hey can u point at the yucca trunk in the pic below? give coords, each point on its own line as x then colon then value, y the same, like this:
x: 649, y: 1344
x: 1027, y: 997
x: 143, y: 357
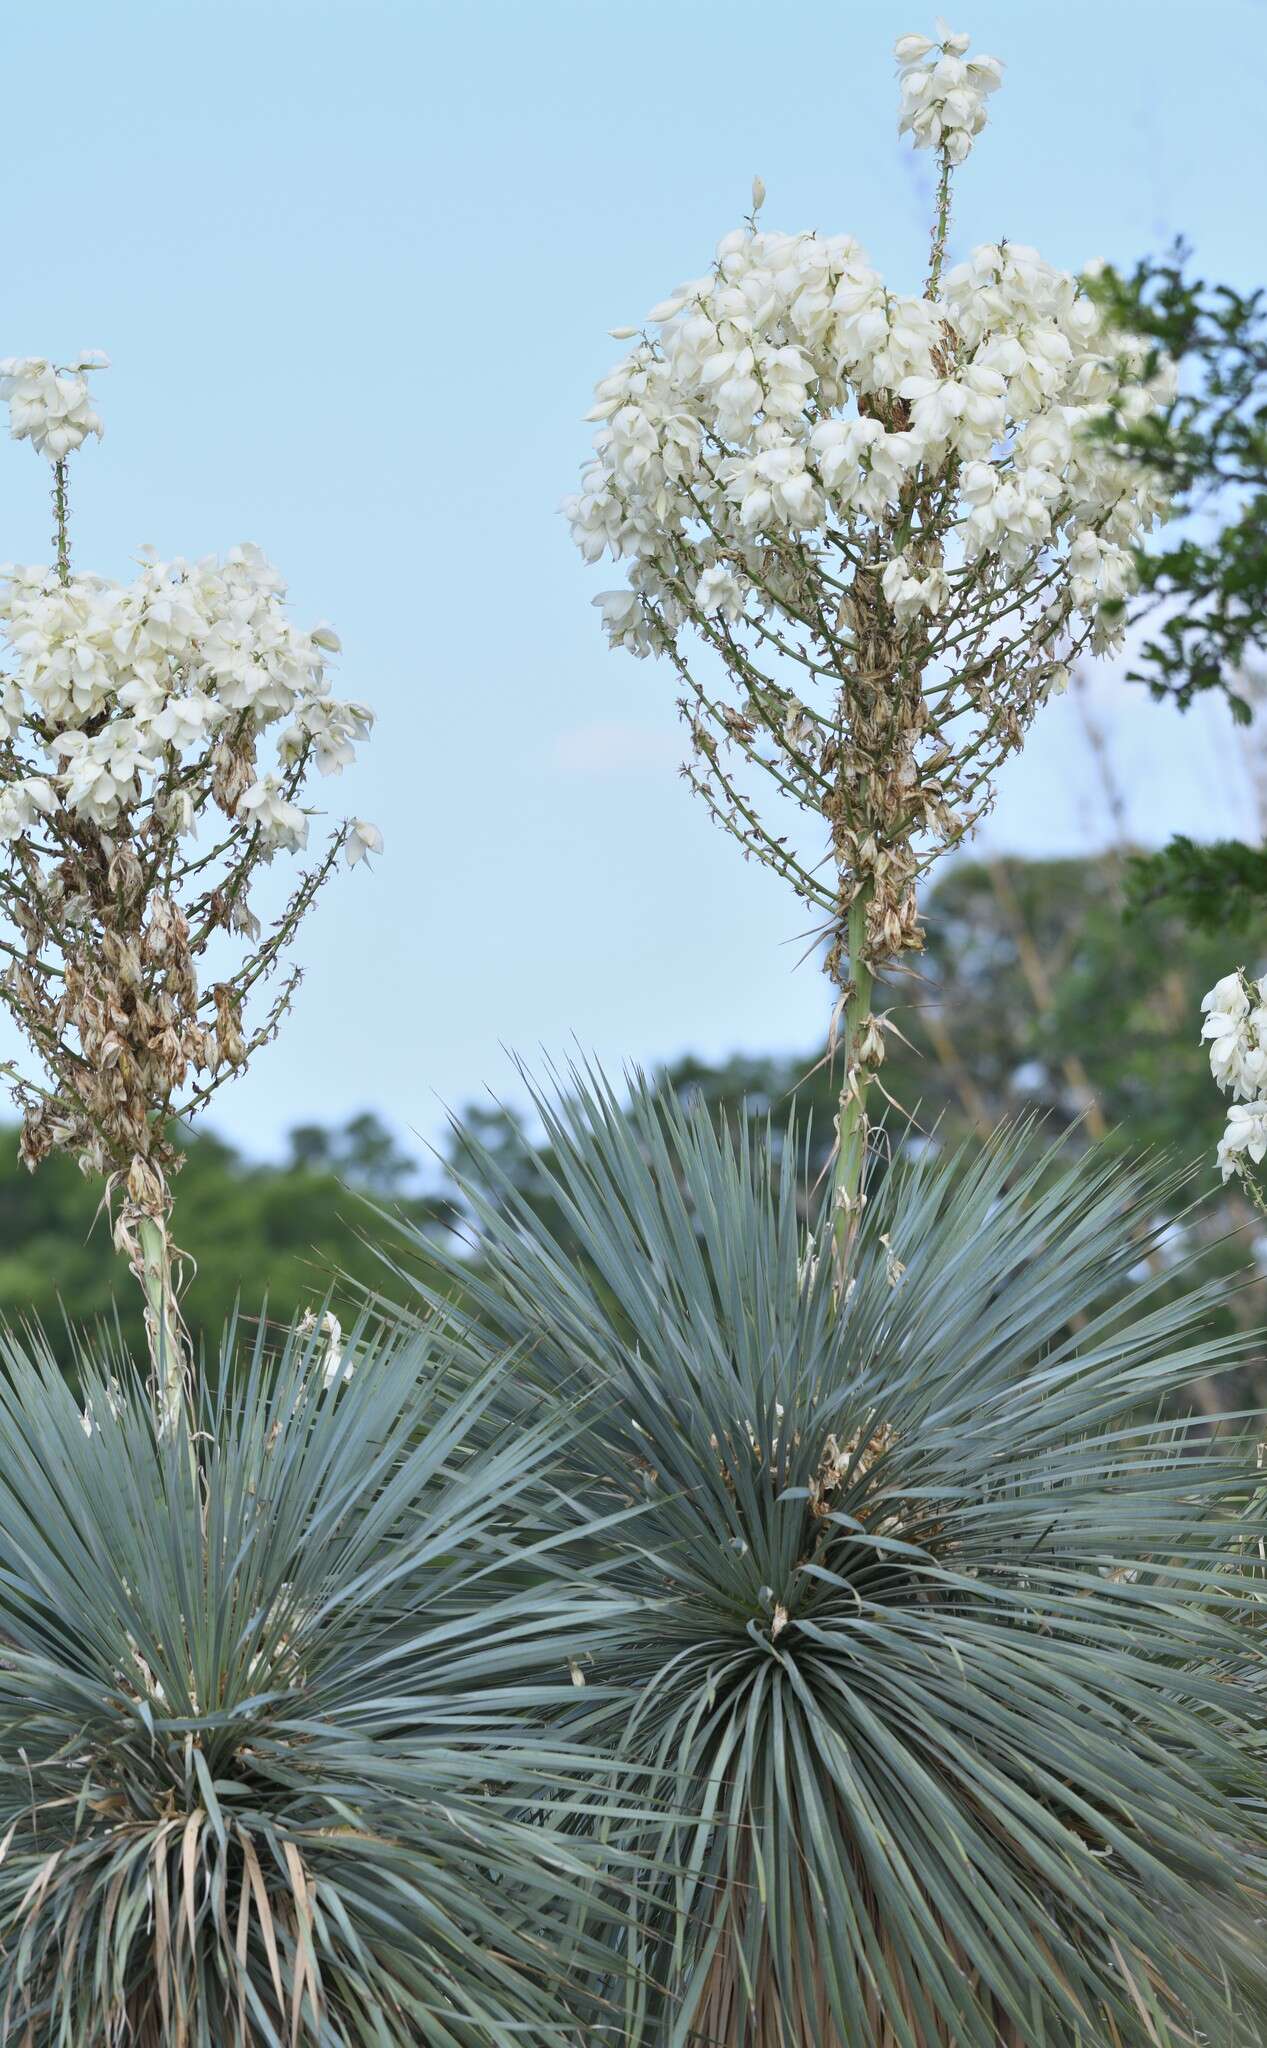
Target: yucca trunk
x: 851, y: 1118
x: 726, y: 2020
x: 789, y: 2008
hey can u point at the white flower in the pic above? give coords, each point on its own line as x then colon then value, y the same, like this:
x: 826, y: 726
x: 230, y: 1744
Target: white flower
x: 1245, y: 1135
x: 943, y: 102
x: 908, y: 593
x: 280, y: 823
x: 1229, y: 996
x: 719, y: 590
x: 180, y: 722
x: 330, y: 729
x: 1235, y: 1030
x: 1226, y: 1048
x: 362, y: 839
x: 102, y: 769
x: 1251, y: 1071
x: 50, y: 407
x: 64, y: 637
x: 1101, y: 573
x: 180, y: 648
x: 623, y: 620
x: 22, y: 803
x: 1228, y: 1028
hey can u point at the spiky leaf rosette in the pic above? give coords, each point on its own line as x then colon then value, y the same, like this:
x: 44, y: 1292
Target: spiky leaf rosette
x: 266, y: 1734
x: 938, y: 1621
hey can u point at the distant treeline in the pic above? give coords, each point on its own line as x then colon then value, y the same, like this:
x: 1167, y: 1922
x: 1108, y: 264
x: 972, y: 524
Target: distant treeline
x: 1039, y: 994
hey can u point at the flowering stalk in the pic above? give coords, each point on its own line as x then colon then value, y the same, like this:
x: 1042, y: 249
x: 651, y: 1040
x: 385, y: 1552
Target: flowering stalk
x: 941, y: 226
x: 136, y: 817
x: 862, y: 1043
x: 870, y: 531
x: 61, y: 515
x: 170, y: 1353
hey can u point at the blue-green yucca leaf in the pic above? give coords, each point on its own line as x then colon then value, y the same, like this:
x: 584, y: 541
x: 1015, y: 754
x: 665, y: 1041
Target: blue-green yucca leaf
x: 276, y: 1761
x: 943, y: 1634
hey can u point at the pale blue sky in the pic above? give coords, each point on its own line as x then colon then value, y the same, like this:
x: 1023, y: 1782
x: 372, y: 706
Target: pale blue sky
x: 355, y: 263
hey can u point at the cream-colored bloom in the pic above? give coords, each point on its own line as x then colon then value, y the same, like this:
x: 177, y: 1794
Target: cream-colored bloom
x: 51, y: 407
x: 362, y: 839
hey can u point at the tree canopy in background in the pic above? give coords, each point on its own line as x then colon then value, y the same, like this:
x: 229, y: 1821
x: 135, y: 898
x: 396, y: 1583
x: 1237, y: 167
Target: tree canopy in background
x: 1202, y: 603
x: 272, y: 1237
x: 1035, y: 997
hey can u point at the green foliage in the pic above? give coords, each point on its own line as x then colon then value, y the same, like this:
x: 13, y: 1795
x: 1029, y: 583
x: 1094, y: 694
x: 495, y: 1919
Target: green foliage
x: 266, y: 1730
x: 267, y: 1236
x: 1203, y: 592
x: 1218, y: 886
x: 1209, y: 586
x: 935, y: 1625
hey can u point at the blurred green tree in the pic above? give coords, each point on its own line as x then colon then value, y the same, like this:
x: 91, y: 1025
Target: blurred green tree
x: 270, y: 1238
x: 1201, y: 610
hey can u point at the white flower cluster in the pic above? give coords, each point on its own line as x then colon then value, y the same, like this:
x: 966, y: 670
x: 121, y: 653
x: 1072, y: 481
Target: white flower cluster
x: 791, y: 394
x: 944, y: 96
x: 121, y: 688
x: 1236, y: 1030
x: 50, y: 405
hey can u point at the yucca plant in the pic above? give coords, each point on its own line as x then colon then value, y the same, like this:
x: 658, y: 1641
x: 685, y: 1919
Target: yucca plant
x: 937, y: 1623
x: 273, y: 1766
